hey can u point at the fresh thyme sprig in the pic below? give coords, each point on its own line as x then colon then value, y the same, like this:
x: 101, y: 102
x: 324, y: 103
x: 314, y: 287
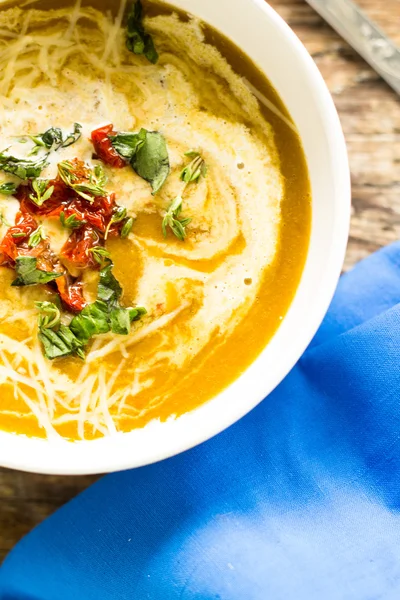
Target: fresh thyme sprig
x: 8, y: 188
x: 100, y: 255
x: 71, y: 222
x: 88, y: 190
x: 36, y: 237
x: 119, y: 214
x: 171, y: 220
x: 42, y: 192
x: 191, y: 173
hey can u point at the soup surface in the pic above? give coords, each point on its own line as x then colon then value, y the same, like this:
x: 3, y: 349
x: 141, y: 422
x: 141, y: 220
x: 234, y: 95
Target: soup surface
x: 155, y: 214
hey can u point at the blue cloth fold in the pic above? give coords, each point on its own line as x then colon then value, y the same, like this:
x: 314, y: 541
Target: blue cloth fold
x: 299, y: 500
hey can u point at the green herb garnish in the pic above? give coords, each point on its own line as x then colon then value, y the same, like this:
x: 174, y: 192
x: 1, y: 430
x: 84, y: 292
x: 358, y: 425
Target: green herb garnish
x: 151, y: 160
x: 194, y: 169
x: 190, y: 173
x: 137, y: 40
x: 21, y: 167
x: 71, y: 222
x: 53, y: 138
x: 3, y: 220
x: 42, y: 192
x: 60, y: 343
x: 104, y: 315
x: 50, y: 315
x: 100, y: 254
x: 128, y: 143
x: 88, y: 190
x: 28, y: 274
x: 98, y: 176
x: 127, y: 228
x: 147, y: 153
x: 72, y: 137
x: 8, y: 189
x: 92, y: 320
x: 118, y: 215
x: 177, y: 226
x: 57, y: 339
x: 36, y: 237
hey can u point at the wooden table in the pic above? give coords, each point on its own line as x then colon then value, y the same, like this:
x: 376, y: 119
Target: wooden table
x: 370, y: 115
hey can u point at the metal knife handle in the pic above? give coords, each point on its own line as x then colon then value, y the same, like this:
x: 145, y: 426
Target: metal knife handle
x: 364, y: 36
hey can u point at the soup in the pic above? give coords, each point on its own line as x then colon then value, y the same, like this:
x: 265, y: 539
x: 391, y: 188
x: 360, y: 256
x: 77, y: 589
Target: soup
x: 155, y: 215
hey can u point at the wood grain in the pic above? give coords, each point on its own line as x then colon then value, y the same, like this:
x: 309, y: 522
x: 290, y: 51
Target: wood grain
x: 370, y: 115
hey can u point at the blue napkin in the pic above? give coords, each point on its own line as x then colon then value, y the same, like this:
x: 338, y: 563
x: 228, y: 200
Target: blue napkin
x: 299, y: 500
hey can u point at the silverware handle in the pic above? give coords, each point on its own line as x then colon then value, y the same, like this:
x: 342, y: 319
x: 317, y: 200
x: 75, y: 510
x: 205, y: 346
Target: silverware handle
x: 364, y: 36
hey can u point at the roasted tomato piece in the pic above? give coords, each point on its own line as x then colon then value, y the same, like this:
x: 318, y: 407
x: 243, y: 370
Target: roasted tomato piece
x: 61, y: 195
x: 46, y: 259
x: 76, y: 249
x: 97, y: 214
x: 71, y: 293
x: 15, y: 240
x: 104, y: 148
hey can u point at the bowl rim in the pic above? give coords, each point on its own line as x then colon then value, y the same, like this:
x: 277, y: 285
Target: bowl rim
x: 44, y: 461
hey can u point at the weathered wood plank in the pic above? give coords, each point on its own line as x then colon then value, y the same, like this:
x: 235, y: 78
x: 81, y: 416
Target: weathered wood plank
x: 370, y: 115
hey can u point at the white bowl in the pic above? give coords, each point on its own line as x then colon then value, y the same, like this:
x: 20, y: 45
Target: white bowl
x: 256, y: 28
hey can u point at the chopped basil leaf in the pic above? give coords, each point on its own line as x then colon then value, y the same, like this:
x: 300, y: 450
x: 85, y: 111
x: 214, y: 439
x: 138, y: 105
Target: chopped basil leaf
x: 21, y: 167
x: 137, y: 40
x: 72, y: 137
x: 120, y: 321
x: 151, y: 160
x: 8, y: 189
x: 109, y: 289
x: 92, y: 320
x: 28, y: 274
x: 127, y: 143
x: 136, y: 313
x: 63, y: 342
x: 53, y: 137
x: 147, y: 153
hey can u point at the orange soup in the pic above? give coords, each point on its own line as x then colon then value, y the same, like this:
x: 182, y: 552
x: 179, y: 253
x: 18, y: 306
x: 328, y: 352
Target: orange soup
x: 154, y: 216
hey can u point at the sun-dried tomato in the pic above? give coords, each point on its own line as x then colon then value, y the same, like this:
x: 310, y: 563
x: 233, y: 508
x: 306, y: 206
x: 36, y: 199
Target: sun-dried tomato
x: 15, y: 240
x: 104, y: 148
x: 98, y: 213
x: 76, y: 249
x: 52, y: 207
x: 71, y: 293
